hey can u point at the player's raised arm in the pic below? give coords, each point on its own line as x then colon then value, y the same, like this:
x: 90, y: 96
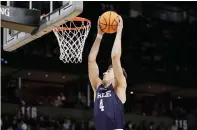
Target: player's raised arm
x: 93, y: 70
x: 116, y: 55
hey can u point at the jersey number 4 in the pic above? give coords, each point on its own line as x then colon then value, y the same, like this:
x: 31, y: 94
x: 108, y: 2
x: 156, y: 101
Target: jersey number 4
x: 101, y: 106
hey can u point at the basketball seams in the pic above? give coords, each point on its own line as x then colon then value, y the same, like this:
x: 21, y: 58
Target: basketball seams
x: 101, y: 23
x: 101, y: 27
x: 114, y: 25
x: 107, y: 25
x: 107, y: 22
x: 114, y: 20
x: 105, y: 19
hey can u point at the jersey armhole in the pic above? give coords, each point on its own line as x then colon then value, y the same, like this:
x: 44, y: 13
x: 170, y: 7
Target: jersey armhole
x: 117, y: 95
x: 99, y: 84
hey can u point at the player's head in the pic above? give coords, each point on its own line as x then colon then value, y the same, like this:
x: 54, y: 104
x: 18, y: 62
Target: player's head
x: 108, y: 76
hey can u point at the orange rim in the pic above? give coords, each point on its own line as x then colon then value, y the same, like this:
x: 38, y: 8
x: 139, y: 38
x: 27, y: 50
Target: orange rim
x: 75, y: 28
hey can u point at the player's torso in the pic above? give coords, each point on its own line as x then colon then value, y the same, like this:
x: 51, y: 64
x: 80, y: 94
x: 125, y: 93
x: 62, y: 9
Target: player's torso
x: 108, y: 109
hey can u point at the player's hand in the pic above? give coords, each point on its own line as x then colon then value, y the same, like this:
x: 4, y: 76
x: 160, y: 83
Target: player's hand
x: 98, y: 28
x: 120, y: 24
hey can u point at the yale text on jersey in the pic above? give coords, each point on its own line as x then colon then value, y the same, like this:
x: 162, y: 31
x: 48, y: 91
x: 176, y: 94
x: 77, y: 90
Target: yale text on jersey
x: 104, y: 94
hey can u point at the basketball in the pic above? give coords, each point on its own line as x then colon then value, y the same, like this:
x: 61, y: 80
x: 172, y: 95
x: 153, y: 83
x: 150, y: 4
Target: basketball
x: 108, y: 23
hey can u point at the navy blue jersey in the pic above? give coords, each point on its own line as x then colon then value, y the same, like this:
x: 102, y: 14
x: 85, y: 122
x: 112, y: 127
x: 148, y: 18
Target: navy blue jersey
x: 108, y: 109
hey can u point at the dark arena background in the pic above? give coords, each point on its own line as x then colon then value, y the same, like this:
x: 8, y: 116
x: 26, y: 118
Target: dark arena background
x: 159, y: 49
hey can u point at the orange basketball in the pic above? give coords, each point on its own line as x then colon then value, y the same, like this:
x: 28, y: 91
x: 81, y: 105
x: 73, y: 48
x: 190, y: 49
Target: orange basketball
x: 108, y: 23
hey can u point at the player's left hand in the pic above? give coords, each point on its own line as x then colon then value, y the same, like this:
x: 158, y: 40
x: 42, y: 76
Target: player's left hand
x: 120, y: 23
x: 98, y: 28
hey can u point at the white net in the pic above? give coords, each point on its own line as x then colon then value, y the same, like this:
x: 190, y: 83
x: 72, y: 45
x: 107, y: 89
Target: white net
x: 71, y: 37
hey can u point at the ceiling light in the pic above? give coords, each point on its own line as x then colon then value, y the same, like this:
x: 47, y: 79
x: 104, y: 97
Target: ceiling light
x: 131, y: 92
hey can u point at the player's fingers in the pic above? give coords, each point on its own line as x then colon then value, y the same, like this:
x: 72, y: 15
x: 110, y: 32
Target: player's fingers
x: 120, y: 18
x: 117, y: 19
x: 98, y: 20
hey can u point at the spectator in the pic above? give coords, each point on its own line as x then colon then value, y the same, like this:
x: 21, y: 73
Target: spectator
x: 62, y: 97
x: 142, y: 126
x: 134, y: 127
x: 33, y: 112
x: 91, y: 125
x: 19, y: 126
x: 57, y: 125
x: 23, y: 125
x: 58, y: 101
x: 161, y: 126
x: 129, y: 126
x: 174, y: 126
x: 67, y: 125
x: 28, y: 110
x: 40, y: 100
x: 82, y: 98
x: 83, y: 125
x: 10, y: 128
x: 22, y: 112
x: 151, y: 126
x: 14, y: 124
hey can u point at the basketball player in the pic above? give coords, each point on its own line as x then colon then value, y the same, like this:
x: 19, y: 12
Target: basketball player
x: 109, y: 93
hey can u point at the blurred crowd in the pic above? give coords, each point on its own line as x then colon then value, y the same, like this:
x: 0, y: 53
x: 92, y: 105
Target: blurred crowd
x: 29, y: 118
x: 62, y: 123
x: 62, y: 97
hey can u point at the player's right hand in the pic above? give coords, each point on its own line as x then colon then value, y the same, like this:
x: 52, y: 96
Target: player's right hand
x: 120, y: 24
x: 98, y: 28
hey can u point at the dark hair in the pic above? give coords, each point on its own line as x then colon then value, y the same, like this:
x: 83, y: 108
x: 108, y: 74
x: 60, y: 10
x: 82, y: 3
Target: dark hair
x: 124, y: 72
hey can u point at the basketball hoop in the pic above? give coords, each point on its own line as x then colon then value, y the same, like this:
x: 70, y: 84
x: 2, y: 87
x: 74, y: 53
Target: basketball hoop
x: 71, y: 38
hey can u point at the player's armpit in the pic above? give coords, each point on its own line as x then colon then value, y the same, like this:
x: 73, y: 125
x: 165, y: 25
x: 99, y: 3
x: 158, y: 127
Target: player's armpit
x: 121, y: 93
x: 118, y: 72
x: 93, y: 73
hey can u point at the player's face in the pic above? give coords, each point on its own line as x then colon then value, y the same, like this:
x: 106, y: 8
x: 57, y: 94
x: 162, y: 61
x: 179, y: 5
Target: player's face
x: 108, y: 76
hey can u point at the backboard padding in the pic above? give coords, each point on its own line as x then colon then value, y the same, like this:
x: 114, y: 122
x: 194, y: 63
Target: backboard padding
x: 14, y: 39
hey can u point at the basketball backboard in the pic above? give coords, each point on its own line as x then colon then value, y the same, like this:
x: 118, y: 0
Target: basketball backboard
x: 56, y: 14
